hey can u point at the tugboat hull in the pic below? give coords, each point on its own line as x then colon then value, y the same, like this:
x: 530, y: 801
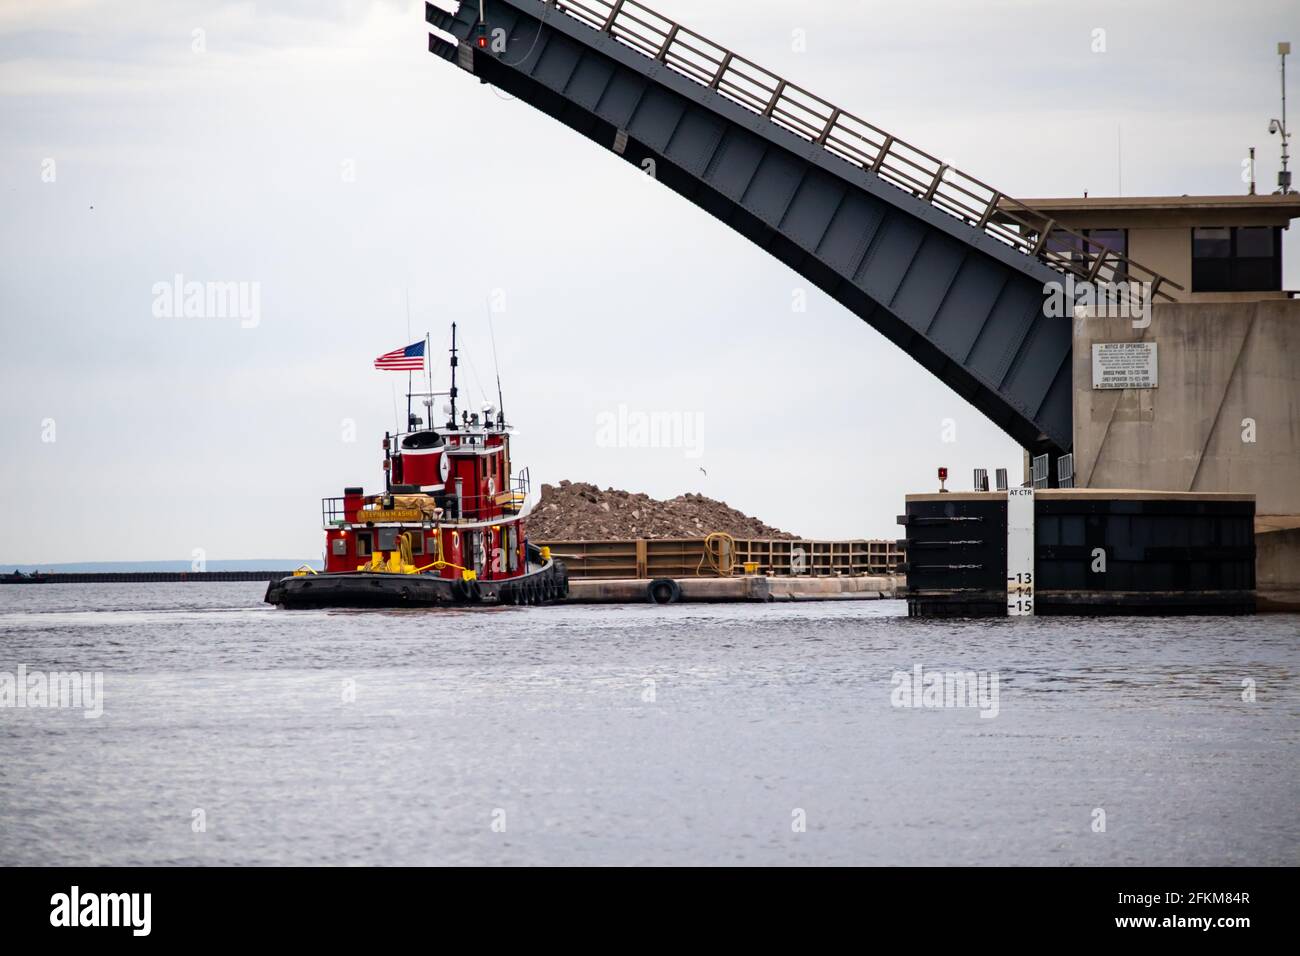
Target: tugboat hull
x: 548, y: 584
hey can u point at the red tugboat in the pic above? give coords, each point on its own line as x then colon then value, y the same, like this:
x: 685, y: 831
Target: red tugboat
x: 449, y: 528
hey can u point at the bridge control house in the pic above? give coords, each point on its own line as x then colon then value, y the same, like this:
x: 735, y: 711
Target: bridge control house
x: 1218, y: 248
x: 1212, y: 401
x: 1181, y: 489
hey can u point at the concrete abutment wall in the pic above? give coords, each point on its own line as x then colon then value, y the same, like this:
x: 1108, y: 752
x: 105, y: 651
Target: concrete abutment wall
x: 1224, y: 417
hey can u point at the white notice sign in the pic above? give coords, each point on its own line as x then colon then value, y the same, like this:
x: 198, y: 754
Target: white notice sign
x: 1124, y: 365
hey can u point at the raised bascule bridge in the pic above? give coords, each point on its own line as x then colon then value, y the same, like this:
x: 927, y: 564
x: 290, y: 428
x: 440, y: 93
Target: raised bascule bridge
x: 947, y: 267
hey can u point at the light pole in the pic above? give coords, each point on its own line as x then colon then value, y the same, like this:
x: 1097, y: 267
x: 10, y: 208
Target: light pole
x: 1279, y: 126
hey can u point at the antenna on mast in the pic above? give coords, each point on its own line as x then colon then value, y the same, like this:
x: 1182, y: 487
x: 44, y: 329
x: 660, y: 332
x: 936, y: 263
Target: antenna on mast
x: 501, y: 402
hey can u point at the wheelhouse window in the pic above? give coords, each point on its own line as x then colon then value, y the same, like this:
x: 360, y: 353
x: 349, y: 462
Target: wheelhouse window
x: 1237, y: 259
x: 363, y: 544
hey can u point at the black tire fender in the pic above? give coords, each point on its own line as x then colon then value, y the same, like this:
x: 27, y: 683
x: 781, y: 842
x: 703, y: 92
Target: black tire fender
x: 663, y: 591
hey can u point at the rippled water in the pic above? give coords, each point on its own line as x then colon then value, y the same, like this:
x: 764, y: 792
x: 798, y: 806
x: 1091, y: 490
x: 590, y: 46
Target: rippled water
x: 644, y: 734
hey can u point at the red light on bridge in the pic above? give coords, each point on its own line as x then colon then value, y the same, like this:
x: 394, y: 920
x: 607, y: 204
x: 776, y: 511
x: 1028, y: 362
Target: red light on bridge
x: 943, y: 474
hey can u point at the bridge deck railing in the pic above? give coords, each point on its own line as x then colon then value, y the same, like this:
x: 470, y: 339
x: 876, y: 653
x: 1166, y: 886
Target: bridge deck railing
x: 860, y: 143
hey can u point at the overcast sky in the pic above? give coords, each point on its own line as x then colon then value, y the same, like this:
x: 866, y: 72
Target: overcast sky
x: 315, y: 151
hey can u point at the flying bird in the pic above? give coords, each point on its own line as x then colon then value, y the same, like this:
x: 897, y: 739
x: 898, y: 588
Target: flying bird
x: 703, y: 472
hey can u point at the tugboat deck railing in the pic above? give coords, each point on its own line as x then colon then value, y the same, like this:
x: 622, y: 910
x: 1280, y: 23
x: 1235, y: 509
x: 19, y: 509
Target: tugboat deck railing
x: 476, y: 510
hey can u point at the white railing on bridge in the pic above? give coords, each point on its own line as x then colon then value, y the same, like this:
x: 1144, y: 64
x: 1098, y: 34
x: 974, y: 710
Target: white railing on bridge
x: 858, y: 142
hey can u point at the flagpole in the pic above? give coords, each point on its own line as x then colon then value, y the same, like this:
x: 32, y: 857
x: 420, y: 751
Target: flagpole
x: 408, y: 374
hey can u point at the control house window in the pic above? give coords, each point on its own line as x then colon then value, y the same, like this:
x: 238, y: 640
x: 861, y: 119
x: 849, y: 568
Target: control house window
x: 1237, y: 259
x: 1116, y: 240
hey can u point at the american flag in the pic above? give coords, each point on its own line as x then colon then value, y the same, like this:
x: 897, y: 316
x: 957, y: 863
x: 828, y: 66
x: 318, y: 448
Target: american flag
x: 409, y: 359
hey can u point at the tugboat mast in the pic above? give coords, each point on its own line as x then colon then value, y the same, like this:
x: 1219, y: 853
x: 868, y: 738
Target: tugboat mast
x: 453, y: 375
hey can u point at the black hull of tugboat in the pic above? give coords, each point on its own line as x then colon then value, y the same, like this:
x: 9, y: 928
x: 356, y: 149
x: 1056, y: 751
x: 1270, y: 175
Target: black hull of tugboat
x: 548, y: 584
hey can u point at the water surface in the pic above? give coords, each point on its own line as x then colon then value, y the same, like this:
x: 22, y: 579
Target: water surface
x: 638, y: 735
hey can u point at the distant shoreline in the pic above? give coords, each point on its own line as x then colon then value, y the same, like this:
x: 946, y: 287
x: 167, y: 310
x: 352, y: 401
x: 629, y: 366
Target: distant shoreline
x: 255, y: 565
x: 137, y: 577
